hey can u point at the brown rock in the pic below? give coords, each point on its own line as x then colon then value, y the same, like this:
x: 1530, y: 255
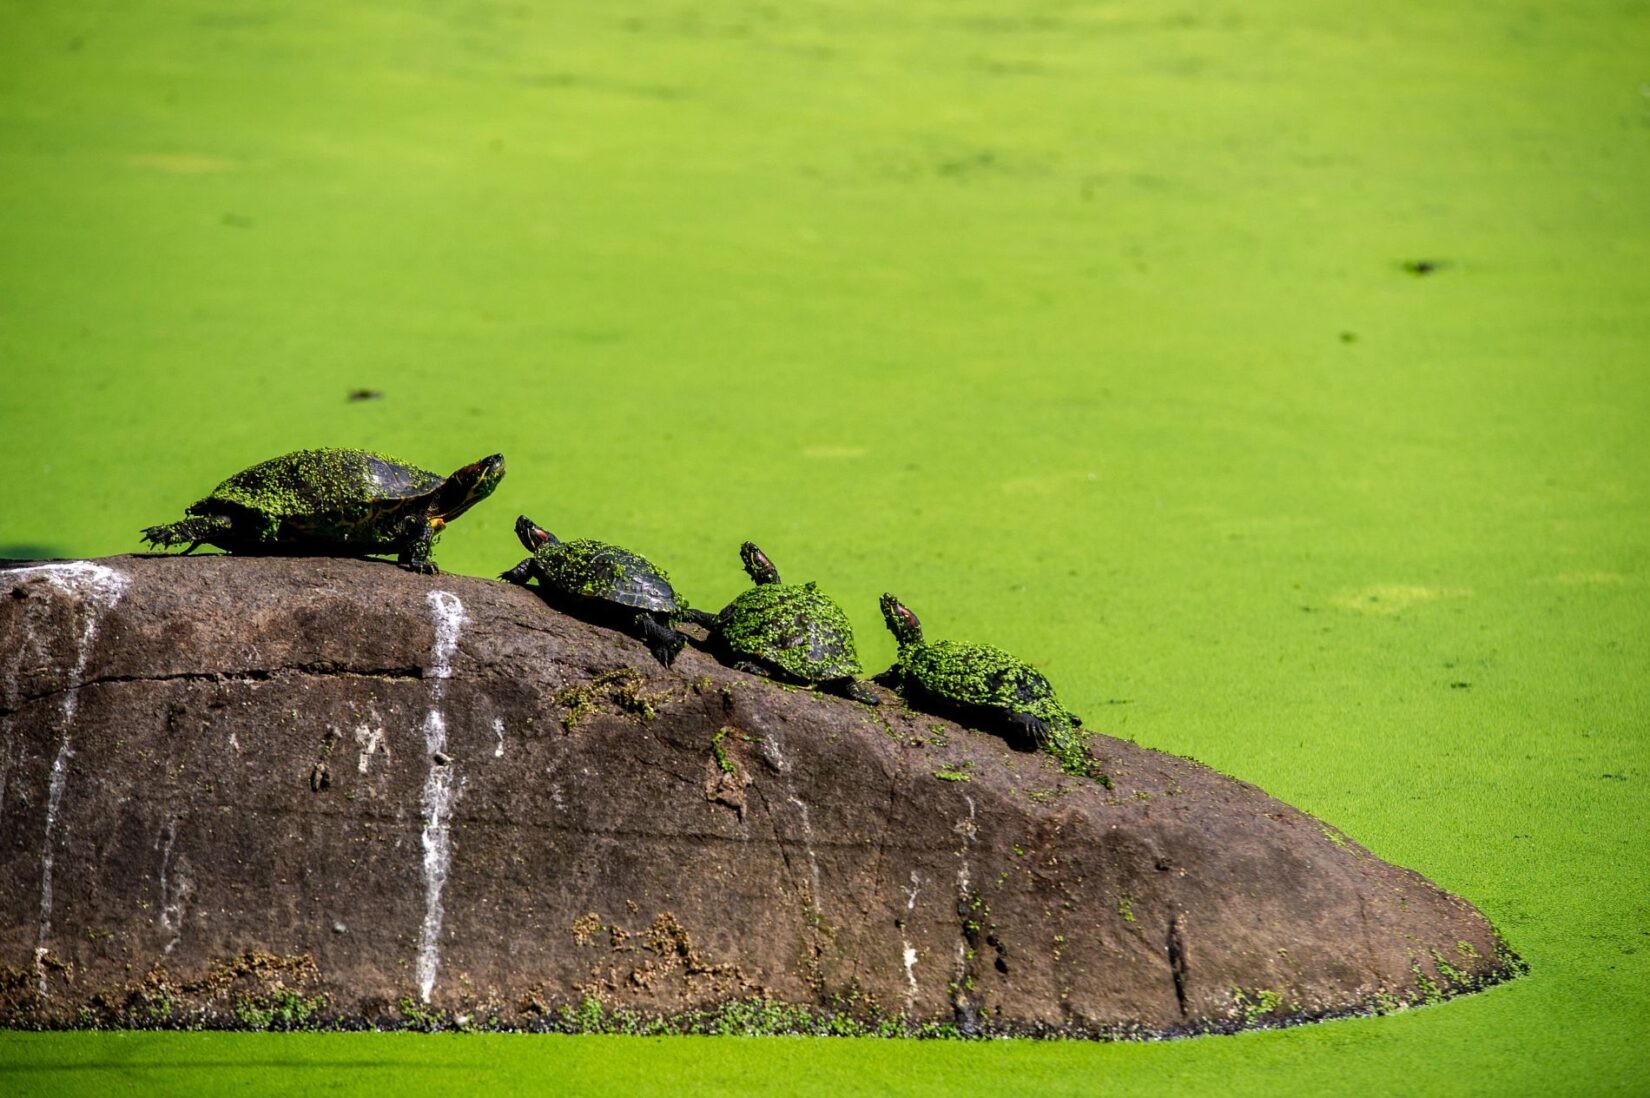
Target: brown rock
x: 233, y: 787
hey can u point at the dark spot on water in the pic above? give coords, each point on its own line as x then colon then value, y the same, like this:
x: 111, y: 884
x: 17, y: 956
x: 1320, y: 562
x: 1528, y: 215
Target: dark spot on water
x: 1420, y: 268
x: 1349, y: 337
x: 1613, y: 777
x: 1460, y: 686
x: 366, y: 394
x: 965, y: 165
x: 236, y: 221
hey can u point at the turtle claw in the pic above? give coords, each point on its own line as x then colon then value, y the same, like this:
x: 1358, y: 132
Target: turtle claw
x: 854, y: 690
x: 521, y: 573
x: 1035, y: 729
x: 422, y: 567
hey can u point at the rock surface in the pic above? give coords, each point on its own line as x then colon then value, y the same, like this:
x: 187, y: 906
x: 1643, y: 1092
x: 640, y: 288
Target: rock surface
x: 239, y: 791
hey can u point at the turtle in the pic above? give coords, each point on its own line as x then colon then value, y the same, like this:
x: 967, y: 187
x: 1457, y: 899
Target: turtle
x: 789, y: 632
x: 982, y: 684
x: 333, y: 502
x: 596, y: 580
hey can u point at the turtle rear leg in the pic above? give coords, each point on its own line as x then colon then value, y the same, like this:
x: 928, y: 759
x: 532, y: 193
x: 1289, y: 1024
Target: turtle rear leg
x: 663, y: 641
x: 853, y: 690
x: 1034, y: 729
x: 194, y: 530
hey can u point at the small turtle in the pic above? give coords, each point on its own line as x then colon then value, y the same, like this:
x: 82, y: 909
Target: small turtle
x: 333, y: 502
x: 790, y: 632
x: 984, y: 684
x: 595, y: 579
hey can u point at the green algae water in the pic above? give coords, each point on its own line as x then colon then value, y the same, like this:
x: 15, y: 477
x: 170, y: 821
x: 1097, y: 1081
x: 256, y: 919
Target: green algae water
x: 1273, y: 376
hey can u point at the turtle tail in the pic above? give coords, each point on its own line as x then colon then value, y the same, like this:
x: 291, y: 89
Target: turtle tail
x: 191, y: 531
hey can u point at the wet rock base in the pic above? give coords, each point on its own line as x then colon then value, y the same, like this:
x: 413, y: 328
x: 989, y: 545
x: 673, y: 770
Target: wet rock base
x: 289, y: 793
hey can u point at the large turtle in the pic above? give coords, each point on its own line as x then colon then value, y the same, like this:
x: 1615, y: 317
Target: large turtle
x: 612, y: 585
x: 790, y: 632
x: 333, y: 502
x: 982, y: 684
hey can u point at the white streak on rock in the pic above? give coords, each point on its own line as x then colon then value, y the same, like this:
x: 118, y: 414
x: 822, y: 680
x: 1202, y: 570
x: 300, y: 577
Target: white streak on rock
x: 808, y: 844
x: 774, y: 750
x: 371, y: 742
x: 448, y: 613
x: 498, y: 730
x: 54, y: 798
x: 6, y: 761
x: 437, y: 801
x: 910, y: 951
x: 965, y: 828
x: 173, y: 891
x: 95, y: 589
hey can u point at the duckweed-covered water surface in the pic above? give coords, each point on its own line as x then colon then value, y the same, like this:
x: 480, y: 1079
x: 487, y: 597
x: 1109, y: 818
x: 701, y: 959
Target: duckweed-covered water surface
x: 1269, y: 376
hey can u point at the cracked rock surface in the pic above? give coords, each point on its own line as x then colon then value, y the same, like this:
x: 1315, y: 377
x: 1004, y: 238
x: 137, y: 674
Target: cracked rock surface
x: 228, y: 780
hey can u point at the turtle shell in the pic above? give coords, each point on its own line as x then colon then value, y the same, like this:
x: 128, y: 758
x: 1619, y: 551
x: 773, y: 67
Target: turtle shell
x: 322, y: 491
x: 982, y: 675
x: 605, y: 573
x: 794, y: 627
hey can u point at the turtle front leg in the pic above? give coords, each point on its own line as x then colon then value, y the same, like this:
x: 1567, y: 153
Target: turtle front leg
x: 853, y: 690
x: 521, y: 573
x: 663, y: 641
x: 416, y: 556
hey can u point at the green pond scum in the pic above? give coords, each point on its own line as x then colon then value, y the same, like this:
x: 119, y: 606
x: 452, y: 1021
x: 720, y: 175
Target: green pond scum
x: 1102, y: 327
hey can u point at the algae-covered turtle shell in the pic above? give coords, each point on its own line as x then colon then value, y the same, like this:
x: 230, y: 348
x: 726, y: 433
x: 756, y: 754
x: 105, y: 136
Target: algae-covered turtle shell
x: 596, y: 570
x: 605, y: 582
x: 983, y: 683
x: 786, y: 631
x: 335, y: 502
x: 795, y: 627
x: 981, y: 675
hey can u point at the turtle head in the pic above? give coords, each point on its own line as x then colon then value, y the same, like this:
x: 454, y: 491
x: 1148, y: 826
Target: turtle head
x: 757, y: 564
x: 533, y: 536
x: 467, y: 487
x: 901, y: 621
